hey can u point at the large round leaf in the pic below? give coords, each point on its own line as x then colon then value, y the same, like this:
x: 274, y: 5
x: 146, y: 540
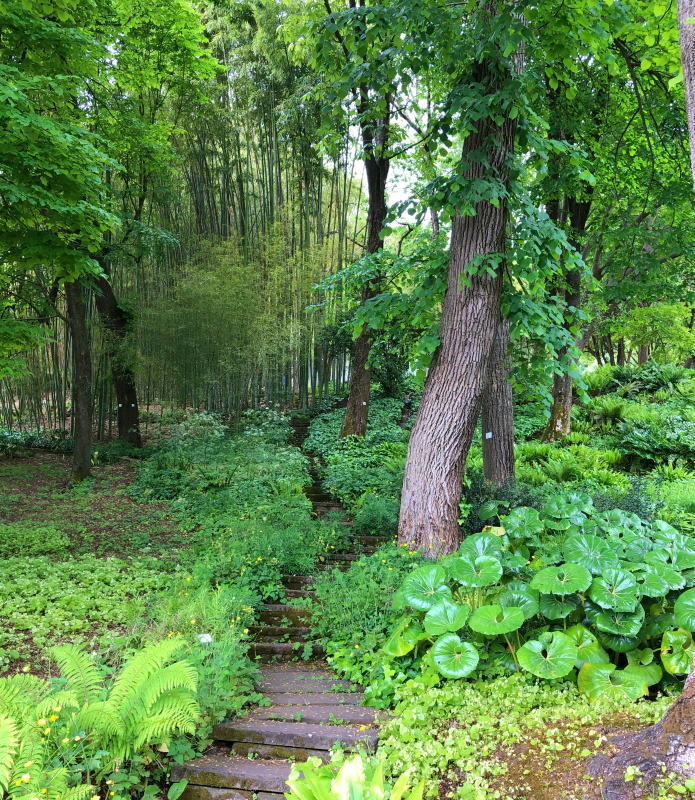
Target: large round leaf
x: 403, y: 638
x: 481, y: 544
x: 425, y: 587
x: 618, y: 642
x: 551, y: 655
x: 453, y: 657
x: 605, y: 680
x: 590, y: 551
x: 588, y: 647
x: 474, y: 571
x: 649, y: 673
x: 623, y: 623
x: 616, y: 589
x: 672, y: 577
x: 446, y: 617
x: 677, y: 649
x: 657, y: 624
x: 554, y: 607
x: 562, y: 580
x: 520, y: 595
x: 684, y: 610
x: 494, y: 620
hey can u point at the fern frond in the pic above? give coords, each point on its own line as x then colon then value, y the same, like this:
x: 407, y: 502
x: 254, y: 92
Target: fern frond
x: 9, y: 742
x: 83, y: 675
x: 177, y: 701
x: 81, y: 792
x: 140, y: 668
x: 161, y: 726
x: 180, y: 675
x: 20, y: 692
x: 102, y: 719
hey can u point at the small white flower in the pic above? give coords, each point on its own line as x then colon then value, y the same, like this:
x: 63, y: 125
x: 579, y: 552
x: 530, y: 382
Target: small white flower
x: 204, y: 638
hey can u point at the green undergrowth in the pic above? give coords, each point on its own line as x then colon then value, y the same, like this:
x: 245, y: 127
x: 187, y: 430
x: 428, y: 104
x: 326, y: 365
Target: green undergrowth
x: 462, y: 735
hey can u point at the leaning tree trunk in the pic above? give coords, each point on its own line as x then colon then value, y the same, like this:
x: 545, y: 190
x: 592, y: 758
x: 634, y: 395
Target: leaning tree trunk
x: 81, y: 382
x: 357, y: 408
x: 667, y: 747
x: 117, y: 323
x: 498, y: 413
x: 458, y: 377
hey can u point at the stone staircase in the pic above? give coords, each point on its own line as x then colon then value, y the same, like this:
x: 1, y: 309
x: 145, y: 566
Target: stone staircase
x: 309, y: 710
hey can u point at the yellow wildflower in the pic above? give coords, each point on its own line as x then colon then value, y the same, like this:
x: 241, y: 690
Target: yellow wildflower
x: 65, y: 740
x: 246, y: 630
x: 27, y: 764
x: 41, y: 722
x: 57, y: 709
x: 53, y: 718
x: 46, y: 731
x: 76, y: 738
x: 26, y: 777
x: 193, y: 621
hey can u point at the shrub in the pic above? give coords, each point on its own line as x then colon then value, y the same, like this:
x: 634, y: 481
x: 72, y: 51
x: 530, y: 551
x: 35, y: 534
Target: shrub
x: 651, y: 442
x: 376, y: 515
x: 27, y: 539
x: 599, y: 379
x: 561, y: 590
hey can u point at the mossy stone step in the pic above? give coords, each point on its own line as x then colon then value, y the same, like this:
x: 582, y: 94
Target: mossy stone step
x: 211, y: 793
x: 298, y: 581
x: 279, y: 631
x: 299, y: 593
x: 251, y: 750
x: 315, y: 698
x: 300, y: 683
x: 341, y: 557
x: 362, y: 715
x: 277, y: 613
x: 282, y: 651
x: 294, y: 734
x: 225, y: 770
x: 372, y: 541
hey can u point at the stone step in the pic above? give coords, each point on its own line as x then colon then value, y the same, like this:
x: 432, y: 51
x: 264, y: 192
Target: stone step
x: 278, y: 631
x: 300, y: 683
x: 192, y: 792
x: 224, y: 770
x: 329, y: 565
x: 298, y: 581
x: 362, y: 715
x: 317, y: 495
x: 282, y: 651
x: 294, y: 734
x: 277, y: 613
x: 289, y: 593
x: 251, y: 750
x: 341, y: 558
x: 315, y: 698
x: 372, y: 541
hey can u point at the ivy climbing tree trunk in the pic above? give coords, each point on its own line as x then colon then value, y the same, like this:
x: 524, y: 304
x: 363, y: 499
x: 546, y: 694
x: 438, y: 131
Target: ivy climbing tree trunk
x: 81, y: 382
x: 559, y: 424
x: 498, y: 413
x: 377, y: 169
x: 458, y: 378
x: 117, y: 323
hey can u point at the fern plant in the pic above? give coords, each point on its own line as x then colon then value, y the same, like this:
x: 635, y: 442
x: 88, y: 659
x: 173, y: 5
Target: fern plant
x: 56, y: 739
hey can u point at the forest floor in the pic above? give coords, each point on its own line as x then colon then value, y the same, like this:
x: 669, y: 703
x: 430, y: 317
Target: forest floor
x: 98, y: 515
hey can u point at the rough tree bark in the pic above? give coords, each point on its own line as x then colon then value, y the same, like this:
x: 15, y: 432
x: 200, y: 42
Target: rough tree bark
x: 458, y: 377
x: 117, y: 323
x: 377, y: 169
x: 81, y: 382
x: 498, y: 413
x: 670, y: 744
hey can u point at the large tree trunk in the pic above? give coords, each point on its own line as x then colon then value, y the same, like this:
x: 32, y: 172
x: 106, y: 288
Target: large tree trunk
x: 458, y: 376
x: 357, y: 408
x: 81, y: 382
x: 686, y: 11
x: 117, y: 323
x: 670, y: 744
x: 498, y: 413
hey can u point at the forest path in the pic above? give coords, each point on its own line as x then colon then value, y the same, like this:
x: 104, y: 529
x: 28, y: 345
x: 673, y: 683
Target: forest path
x: 310, y: 710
